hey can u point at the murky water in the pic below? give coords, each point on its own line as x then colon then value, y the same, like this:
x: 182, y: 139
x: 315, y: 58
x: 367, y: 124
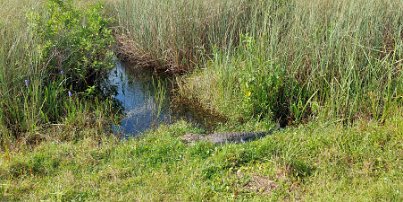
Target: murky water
x: 143, y: 98
x: 147, y: 102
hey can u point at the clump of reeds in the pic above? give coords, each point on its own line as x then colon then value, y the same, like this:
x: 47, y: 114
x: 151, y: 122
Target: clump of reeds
x: 339, y: 59
x: 176, y: 35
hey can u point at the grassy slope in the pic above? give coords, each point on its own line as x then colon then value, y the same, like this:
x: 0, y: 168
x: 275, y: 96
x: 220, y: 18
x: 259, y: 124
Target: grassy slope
x: 318, y: 161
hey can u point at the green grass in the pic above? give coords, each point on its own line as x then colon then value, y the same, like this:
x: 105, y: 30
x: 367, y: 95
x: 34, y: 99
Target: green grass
x: 335, y: 66
x: 18, y: 59
x: 327, y: 59
x: 49, y: 65
x: 315, y: 162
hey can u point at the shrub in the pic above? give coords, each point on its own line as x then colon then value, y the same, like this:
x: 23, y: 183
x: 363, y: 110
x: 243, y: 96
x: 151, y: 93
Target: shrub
x: 76, y: 45
x: 262, y: 87
x: 55, y: 66
x: 266, y: 87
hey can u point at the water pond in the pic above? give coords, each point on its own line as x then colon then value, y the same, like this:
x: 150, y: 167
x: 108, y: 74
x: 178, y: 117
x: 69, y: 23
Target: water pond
x: 147, y: 100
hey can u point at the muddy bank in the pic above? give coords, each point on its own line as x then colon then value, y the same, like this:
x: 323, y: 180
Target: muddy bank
x: 129, y: 52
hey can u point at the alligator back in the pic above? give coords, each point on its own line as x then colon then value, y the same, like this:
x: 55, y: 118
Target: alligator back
x: 222, y: 138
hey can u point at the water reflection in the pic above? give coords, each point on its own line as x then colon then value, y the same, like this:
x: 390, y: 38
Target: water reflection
x: 147, y: 102
x: 143, y: 99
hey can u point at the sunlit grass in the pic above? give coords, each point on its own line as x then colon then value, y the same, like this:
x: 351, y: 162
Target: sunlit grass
x: 319, y: 161
x: 330, y: 59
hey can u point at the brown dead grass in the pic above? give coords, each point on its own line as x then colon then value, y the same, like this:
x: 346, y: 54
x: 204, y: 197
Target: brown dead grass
x: 128, y: 51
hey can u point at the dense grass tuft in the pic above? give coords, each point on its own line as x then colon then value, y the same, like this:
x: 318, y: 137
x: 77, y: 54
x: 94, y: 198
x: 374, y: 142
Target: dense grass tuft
x: 176, y: 35
x: 337, y: 59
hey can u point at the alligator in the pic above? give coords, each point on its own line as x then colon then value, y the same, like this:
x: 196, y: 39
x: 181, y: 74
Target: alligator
x: 222, y: 138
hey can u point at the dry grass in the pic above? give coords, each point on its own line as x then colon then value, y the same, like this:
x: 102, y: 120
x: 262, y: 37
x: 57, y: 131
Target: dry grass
x: 177, y: 34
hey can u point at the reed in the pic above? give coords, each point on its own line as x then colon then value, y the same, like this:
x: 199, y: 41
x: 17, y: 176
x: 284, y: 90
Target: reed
x: 175, y: 35
x: 20, y: 72
x: 330, y: 59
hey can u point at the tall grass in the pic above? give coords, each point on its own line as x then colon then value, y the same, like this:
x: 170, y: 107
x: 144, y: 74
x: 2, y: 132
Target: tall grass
x: 339, y: 59
x: 286, y: 60
x: 349, y: 51
x: 175, y: 35
x: 31, y: 94
x: 19, y: 69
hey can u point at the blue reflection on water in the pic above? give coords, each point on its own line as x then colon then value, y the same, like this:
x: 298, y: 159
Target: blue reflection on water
x: 137, y: 95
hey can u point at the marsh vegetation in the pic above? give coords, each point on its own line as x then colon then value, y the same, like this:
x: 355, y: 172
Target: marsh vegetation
x: 330, y: 72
